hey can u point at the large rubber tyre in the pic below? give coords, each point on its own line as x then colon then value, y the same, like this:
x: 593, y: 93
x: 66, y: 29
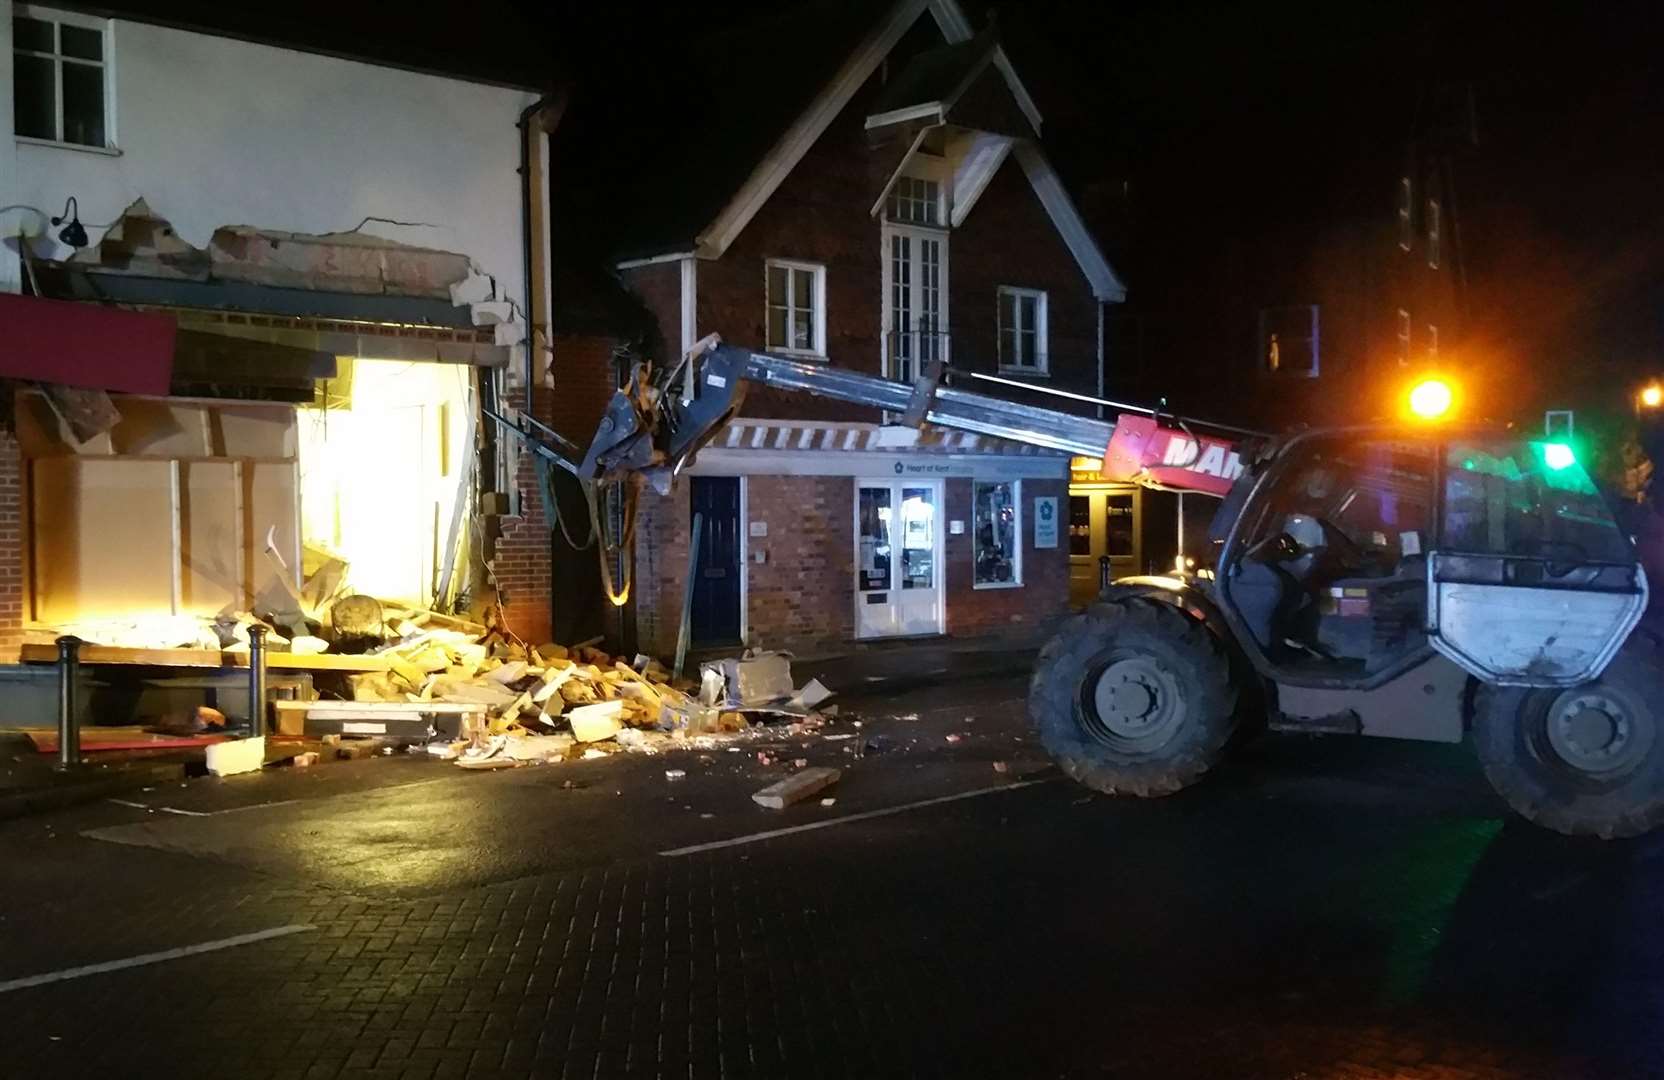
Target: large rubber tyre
x: 1133, y: 697
x: 1588, y: 761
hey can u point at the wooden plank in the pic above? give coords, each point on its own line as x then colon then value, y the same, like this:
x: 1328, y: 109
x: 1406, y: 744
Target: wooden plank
x: 42, y: 653
x: 103, y: 537
x: 348, y: 709
x: 210, y: 531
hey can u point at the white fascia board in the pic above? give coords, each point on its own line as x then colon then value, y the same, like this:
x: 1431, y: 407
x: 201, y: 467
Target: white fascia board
x: 652, y: 260
x: 1070, y: 225
x: 931, y: 111
x: 951, y: 18
x: 1024, y: 101
x: 976, y: 168
x: 956, y: 27
x: 772, y: 171
x: 906, y: 159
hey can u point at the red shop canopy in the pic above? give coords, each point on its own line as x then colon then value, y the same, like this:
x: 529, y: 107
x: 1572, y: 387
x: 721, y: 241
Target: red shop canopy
x: 86, y: 345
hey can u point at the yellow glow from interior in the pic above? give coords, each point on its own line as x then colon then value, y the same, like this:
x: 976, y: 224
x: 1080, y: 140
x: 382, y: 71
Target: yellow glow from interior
x: 1431, y: 399
x: 379, y: 477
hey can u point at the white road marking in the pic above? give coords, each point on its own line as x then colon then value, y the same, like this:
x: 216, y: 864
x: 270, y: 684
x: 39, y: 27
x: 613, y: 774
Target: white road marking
x: 202, y: 813
x: 694, y: 849
x: 152, y: 958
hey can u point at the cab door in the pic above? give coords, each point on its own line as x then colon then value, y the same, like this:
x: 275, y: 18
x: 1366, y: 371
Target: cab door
x: 1530, y: 582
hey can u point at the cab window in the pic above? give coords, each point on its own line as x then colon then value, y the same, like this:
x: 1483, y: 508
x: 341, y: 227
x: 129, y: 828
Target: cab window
x: 1526, y: 499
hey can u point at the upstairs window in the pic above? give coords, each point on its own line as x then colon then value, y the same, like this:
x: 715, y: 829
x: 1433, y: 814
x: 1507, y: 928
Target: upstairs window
x: 1022, y: 330
x: 796, y: 307
x: 1289, y: 341
x: 1403, y: 338
x: 59, y: 80
x: 1433, y: 233
x: 1432, y: 342
x: 915, y: 201
x: 1406, y: 202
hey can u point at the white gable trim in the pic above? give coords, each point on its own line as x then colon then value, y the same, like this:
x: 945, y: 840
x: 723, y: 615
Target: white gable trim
x: 931, y: 111
x: 772, y: 171
x: 956, y: 28
x: 976, y: 169
x: 1105, y: 285
x: 906, y: 159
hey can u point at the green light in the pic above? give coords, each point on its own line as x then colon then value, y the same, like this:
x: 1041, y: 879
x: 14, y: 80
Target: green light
x: 1558, y: 456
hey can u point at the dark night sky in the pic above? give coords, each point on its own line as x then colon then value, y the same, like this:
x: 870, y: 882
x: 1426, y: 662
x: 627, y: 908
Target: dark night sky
x: 1217, y: 117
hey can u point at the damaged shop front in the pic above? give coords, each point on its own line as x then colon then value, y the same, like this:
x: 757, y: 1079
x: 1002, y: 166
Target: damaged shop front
x: 315, y: 435
x: 816, y: 534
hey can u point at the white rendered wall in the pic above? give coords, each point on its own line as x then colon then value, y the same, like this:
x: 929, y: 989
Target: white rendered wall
x: 212, y: 132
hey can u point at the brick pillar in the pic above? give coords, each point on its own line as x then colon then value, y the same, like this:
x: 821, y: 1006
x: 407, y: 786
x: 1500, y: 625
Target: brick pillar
x: 11, y: 546
x: 584, y: 382
x: 520, y: 561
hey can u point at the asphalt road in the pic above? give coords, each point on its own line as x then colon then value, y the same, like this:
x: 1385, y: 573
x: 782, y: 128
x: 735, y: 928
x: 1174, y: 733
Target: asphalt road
x: 1319, y: 908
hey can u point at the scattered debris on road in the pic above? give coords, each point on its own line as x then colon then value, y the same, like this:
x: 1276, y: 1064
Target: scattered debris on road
x: 795, y: 788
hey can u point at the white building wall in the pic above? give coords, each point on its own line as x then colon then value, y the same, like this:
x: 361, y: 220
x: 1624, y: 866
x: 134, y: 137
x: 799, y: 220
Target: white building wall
x: 212, y: 131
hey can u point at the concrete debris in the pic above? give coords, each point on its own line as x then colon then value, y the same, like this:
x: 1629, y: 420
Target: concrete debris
x: 236, y: 756
x: 675, y: 774
x: 592, y: 723
x: 795, y: 788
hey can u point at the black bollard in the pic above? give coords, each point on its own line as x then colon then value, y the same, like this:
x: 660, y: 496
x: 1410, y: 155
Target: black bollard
x: 69, y: 715
x: 1103, y: 572
x: 256, y: 680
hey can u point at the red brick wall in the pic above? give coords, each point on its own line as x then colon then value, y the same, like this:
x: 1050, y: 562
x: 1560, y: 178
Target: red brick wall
x: 520, y: 558
x: 822, y: 213
x: 1010, y: 240
x: 1044, y: 593
x: 582, y: 368
x: 800, y: 598
x: 803, y: 597
x: 11, y: 546
x: 662, y: 537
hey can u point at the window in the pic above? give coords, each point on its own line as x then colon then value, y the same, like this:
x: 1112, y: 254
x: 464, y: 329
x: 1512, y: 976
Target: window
x: 1080, y: 525
x: 915, y: 300
x: 1403, y: 338
x: 59, y: 80
x: 1433, y: 233
x: 1289, y: 341
x: 999, y: 532
x: 796, y: 307
x: 1530, y: 499
x: 1022, y: 330
x: 1432, y: 342
x: 1120, y: 536
x: 1406, y: 227
x: 915, y: 201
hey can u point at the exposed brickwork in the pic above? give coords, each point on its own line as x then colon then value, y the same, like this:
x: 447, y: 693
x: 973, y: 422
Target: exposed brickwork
x: 662, y: 536
x: 1045, y: 590
x: 802, y: 598
x: 12, y: 592
x: 520, y: 562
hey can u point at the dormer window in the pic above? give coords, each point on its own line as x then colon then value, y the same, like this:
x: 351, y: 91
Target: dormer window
x: 915, y: 201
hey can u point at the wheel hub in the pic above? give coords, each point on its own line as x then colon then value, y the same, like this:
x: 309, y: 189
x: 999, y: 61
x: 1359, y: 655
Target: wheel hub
x: 1593, y: 732
x: 1134, y: 704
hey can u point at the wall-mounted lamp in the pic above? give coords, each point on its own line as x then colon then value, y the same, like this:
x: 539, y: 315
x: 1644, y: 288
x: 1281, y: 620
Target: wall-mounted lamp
x: 73, y: 234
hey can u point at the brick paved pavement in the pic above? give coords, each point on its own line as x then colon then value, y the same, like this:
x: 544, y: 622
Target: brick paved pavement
x: 1325, y: 910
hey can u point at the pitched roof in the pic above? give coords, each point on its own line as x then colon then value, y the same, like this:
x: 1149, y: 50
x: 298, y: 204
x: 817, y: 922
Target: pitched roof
x: 676, y: 155
x: 662, y: 148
